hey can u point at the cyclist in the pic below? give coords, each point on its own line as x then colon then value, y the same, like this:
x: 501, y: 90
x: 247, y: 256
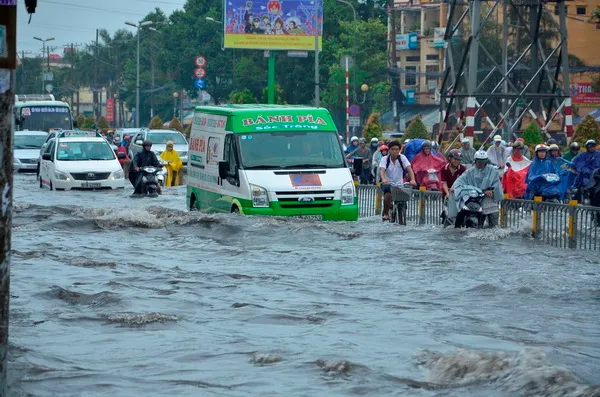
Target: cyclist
x: 391, y: 169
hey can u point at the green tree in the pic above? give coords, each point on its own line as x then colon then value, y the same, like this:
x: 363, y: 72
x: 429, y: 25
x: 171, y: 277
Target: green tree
x: 278, y: 95
x: 156, y: 123
x: 103, y: 124
x: 416, y: 129
x: 373, y: 128
x: 241, y: 97
x: 89, y: 123
x: 80, y: 120
x: 532, y: 134
x: 587, y: 129
x: 176, y: 125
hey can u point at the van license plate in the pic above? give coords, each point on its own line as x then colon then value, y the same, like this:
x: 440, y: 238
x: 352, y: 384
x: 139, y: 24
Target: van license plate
x: 91, y: 185
x: 309, y: 217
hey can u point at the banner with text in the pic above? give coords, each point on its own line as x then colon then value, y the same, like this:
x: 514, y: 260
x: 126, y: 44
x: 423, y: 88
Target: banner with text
x: 584, y: 95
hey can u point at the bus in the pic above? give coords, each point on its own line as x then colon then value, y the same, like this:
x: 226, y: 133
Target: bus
x: 41, y: 113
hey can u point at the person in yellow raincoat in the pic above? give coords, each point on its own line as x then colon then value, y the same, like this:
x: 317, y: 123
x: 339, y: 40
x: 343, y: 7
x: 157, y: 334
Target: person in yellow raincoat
x: 174, y: 167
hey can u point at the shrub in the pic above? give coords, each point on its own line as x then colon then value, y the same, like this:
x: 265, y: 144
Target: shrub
x: 416, y: 129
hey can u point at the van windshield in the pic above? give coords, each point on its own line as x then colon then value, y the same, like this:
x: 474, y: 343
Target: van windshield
x: 83, y: 151
x: 29, y: 141
x: 287, y: 150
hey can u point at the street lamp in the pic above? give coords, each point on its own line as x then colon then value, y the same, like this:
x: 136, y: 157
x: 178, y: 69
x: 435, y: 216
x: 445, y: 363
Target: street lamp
x: 175, y: 96
x: 364, y: 88
x: 353, y: 47
x: 138, y: 26
x: 211, y: 19
x: 44, y: 54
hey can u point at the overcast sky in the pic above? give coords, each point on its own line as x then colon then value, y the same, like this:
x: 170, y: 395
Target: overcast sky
x: 76, y: 21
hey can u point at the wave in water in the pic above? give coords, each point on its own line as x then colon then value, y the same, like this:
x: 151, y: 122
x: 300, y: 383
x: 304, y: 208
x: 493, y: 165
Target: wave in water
x: 528, y: 373
x: 139, y: 320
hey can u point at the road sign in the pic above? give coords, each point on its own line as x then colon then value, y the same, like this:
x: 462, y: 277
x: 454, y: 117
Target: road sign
x: 200, y: 61
x: 343, y: 62
x: 354, y: 121
x: 200, y: 73
x: 200, y: 84
x: 354, y: 110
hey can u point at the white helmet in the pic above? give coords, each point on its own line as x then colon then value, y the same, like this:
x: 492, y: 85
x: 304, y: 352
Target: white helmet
x: 373, y: 140
x: 465, y: 140
x: 481, y: 155
x: 354, y: 138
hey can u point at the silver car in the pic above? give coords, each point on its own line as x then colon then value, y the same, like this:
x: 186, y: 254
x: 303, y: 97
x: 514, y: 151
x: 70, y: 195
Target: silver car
x: 27, y: 145
x: 159, y: 139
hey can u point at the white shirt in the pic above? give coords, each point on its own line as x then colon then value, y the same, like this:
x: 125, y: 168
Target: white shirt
x: 394, y: 172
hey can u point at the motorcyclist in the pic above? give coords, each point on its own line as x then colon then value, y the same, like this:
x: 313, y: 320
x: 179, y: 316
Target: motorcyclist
x: 593, y: 190
x: 362, y: 152
x: 143, y: 158
x: 554, y: 151
x: 451, y: 171
x: 374, y: 146
x: 537, y: 185
x: 497, y: 153
x: 427, y: 167
x: 467, y: 152
x: 391, y: 169
x: 353, y: 145
x: 517, y: 166
x: 379, y: 154
x: 125, y: 162
x: 483, y: 176
x: 174, y: 165
x: 585, y: 163
x: 573, y: 151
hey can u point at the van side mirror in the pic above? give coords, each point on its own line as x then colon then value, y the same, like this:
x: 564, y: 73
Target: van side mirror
x: 223, y: 169
x: 19, y: 120
x: 46, y: 156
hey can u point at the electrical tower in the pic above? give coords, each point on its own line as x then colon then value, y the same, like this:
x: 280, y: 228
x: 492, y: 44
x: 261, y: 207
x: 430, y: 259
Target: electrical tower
x: 505, y: 60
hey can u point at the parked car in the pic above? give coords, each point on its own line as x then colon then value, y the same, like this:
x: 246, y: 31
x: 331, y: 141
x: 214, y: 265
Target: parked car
x: 159, y: 140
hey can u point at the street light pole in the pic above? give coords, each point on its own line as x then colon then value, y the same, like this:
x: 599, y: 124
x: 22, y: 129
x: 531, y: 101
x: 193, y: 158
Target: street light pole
x: 139, y: 26
x: 317, y: 83
x: 44, y: 55
x: 353, y: 49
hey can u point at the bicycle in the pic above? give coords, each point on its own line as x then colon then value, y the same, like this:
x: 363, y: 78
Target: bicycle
x: 400, y: 198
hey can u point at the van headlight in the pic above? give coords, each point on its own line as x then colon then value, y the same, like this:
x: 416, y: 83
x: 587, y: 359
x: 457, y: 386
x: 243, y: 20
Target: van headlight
x: 62, y: 176
x: 348, y: 193
x: 260, y: 197
x: 118, y: 174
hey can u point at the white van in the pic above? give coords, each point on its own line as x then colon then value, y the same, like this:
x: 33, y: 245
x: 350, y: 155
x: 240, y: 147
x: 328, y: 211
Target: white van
x: 269, y: 160
x: 80, y: 160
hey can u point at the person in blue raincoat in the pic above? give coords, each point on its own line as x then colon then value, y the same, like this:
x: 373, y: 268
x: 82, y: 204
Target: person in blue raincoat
x: 585, y: 163
x: 540, y: 171
x: 563, y: 168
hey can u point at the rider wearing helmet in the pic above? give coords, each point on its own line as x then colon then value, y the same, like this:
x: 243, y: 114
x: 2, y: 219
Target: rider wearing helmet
x: 467, y: 152
x: 362, y: 152
x: 497, y: 153
x: 573, y: 151
x: 554, y: 150
x: 379, y: 154
x: 451, y: 171
x: 585, y: 164
x: 143, y: 158
x: 483, y: 176
x: 541, y: 151
x: 353, y: 145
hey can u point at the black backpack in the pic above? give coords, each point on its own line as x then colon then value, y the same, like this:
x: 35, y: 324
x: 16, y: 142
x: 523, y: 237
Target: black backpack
x: 389, y: 160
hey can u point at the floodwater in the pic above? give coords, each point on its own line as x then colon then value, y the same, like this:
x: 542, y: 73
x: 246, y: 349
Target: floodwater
x: 137, y: 297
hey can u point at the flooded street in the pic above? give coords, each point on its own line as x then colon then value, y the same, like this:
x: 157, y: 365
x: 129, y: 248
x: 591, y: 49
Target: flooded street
x: 124, y: 297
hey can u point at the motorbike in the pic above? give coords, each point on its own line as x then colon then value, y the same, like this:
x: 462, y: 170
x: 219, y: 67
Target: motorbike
x: 149, y: 181
x: 401, y: 195
x: 473, y: 213
x: 547, y: 186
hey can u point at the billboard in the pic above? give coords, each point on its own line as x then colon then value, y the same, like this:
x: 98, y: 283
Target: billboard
x: 408, y: 41
x: 273, y: 24
x: 582, y: 94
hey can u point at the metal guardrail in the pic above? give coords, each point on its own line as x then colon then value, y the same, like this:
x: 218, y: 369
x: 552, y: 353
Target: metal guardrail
x: 560, y: 225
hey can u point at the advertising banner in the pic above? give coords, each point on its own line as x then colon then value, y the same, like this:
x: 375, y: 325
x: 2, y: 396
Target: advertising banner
x: 273, y: 24
x: 582, y: 94
x: 408, y: 41
x: 438, y: 37
x: 110, y: 110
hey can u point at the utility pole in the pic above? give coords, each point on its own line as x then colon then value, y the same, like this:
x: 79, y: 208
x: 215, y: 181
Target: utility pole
x: 94, y: 93
x: 395, y: 81
x: 8, y: 64
x: 317, y: 82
